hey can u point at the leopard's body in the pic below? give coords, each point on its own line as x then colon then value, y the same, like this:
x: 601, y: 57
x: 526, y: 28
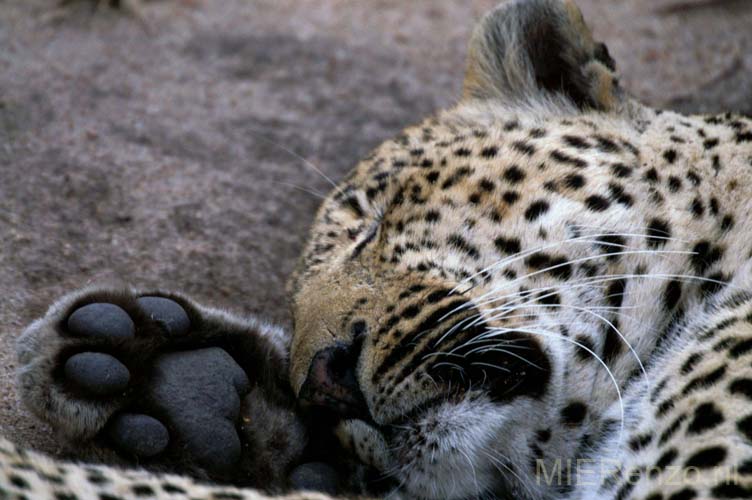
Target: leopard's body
x: 543, y: 292
x: 25, y: 474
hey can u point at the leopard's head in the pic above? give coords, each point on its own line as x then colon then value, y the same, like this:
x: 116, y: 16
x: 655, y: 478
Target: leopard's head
x: 417, y: 317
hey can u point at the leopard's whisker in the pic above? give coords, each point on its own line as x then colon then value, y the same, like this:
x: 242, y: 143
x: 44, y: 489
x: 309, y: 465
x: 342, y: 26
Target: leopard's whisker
x: 472, y: 467
x: 521, y: 358
x: 497, y: 461
x: 601, y: 318
x: 588, y: 259
x: 569, y: 263
x: 538, y: 294
x: 301, y: 188
x: 454, y: 366
x: 587, y: 281
x: 589, y: 239
x: 652, y: 236
x: 545, y: 333
x: 260, y: 135
x: 453, y: 352
x: 484, y: 299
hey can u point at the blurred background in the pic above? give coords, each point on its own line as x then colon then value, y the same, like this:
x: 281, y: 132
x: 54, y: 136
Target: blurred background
x: 164, y: 149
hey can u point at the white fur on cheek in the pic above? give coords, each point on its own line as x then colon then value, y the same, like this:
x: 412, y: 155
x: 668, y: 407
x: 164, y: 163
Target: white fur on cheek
x: 445, y: 453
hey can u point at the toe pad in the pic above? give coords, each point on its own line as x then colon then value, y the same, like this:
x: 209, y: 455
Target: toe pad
x: 139, y: 435
x: 315, y: 476
x: 97, y: 373
x: 101, y: 320
x: 167, y: 313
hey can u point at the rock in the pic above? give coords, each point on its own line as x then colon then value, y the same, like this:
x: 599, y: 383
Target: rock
x: 168, y: 313
x: 139, y: 435
x: 315, y: 476
x: 101, y: 320
x: 97, y: 373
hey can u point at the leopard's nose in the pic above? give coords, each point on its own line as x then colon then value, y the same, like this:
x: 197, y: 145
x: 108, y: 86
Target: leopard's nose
x: 332, y: 383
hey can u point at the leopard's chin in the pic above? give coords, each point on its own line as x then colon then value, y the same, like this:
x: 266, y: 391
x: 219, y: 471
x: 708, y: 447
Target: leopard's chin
x: 447, y: 450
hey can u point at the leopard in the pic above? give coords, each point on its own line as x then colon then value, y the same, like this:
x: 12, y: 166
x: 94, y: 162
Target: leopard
x: 542, y: 292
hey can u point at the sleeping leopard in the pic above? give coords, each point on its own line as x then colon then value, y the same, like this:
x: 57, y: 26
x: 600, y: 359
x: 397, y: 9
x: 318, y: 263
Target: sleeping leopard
x: 544, y: 292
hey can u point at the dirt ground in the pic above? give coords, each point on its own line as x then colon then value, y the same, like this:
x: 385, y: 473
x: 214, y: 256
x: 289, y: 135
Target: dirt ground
x: 171, y: 155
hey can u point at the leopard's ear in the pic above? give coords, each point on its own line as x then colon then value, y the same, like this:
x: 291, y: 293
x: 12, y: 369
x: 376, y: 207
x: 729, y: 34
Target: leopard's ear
x: 526, y: 50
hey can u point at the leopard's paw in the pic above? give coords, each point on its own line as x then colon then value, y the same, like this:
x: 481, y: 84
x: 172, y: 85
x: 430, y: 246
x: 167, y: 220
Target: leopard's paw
x: 150, y: 375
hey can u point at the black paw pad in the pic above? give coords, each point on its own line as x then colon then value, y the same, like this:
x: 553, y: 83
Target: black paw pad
x: 167, y: 313
x: 101, y: 320
x: 199, y: 393
x: 97, y: 373
x: 315, y: 476
x: 139, y: 435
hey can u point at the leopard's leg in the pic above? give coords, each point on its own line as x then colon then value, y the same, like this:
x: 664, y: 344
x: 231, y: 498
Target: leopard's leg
x: 30, y: 475
x: 688, y: 426
x: 162, y: 379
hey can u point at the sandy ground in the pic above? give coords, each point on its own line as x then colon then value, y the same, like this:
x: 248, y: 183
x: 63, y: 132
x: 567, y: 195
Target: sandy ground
x: 170, y: 156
